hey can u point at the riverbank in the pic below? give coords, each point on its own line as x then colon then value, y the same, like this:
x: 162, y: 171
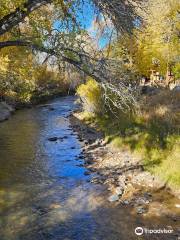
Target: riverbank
x: 10, y: 105
x: 5, y: 111
x: 46, y: 190
x: 123, y: 173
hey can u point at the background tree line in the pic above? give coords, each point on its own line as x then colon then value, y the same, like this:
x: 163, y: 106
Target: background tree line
x: 145, y: 124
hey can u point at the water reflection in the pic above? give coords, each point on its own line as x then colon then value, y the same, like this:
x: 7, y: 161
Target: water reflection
x: 43, y: 194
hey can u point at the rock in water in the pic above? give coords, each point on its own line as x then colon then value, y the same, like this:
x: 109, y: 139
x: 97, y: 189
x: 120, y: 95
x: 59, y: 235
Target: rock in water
x: 53, y: 139
x: 86, y: 173
x: 51, y: 109
x: 113, y: 198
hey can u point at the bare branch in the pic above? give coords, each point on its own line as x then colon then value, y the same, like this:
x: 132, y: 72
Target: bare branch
x: 123, y: 13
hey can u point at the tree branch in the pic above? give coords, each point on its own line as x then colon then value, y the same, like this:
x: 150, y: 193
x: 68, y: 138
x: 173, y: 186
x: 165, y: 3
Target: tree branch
x: 82, y: 64
x: 123, y: 99
x: 14, y: 18
x: 15, y: 43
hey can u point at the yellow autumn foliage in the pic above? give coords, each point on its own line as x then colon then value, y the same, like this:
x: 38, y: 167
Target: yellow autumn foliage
x: 91, y: 96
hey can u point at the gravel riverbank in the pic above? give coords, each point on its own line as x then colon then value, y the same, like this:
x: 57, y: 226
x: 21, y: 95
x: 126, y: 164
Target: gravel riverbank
x: 123, y: 174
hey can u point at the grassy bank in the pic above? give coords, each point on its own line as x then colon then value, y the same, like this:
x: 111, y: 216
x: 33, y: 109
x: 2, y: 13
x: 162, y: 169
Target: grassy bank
x: 153, y: 133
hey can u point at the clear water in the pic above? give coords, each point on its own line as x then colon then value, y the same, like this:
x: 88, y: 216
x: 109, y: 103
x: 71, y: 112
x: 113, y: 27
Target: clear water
x: 43, y: 193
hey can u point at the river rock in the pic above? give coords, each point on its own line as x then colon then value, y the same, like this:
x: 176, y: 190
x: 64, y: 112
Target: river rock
x: 113, y: 198
x: 53, y: 139
x: 141, y: 200
x: 147, y: 195
x: 126, y: 202
x: 141, y: 210
x: 51, y: 108
x: 119, y: 191
x: 88, y: 161
x: 55, y: 206
x: 81, y: 140
x: 97, y: 180
x: 65, y: 137
x: 147, y: 179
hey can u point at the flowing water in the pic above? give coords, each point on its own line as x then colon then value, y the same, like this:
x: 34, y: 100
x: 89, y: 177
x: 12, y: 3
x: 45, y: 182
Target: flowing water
x: 44, y: 194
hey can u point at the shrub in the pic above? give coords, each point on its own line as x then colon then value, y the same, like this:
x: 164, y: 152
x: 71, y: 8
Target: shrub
x: 91, y: 96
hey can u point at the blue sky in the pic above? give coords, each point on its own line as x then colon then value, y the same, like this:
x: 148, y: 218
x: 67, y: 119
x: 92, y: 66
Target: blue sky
x: 86, y: 20
x: 86, y: 15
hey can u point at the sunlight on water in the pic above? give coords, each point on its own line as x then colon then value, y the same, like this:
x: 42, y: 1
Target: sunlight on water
x: 43, y: 194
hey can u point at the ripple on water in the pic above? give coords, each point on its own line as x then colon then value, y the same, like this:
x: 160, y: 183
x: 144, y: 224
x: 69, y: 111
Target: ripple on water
x: 43, y: 193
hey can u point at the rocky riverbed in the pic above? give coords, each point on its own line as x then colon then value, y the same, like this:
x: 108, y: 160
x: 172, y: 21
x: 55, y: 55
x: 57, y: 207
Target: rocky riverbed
x: 124, y: 176
x: 59, y: 179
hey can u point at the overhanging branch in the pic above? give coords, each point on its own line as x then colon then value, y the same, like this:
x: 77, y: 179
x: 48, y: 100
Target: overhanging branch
x: 84, y: 63
x: 124, y: 97
x: 14, y: 18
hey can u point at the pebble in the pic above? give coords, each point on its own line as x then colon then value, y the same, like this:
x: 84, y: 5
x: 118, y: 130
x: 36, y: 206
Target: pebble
x: 119, y: 191
x: 147, y: 194
x: 142, y: 201
x: 95, y: 180
x: 141, y: 210
x: 126, y: 202
x: 65, y: 137
x: 53, y: 139
x: 51, y: 109
x: 55, y: 205
x: 113, y: 198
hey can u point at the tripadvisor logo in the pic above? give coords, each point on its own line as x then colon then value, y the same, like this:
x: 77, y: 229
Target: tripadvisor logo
x: 140, y: 231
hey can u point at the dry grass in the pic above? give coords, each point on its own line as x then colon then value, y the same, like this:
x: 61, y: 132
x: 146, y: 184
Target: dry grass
x: 153, y: 134
x: 164, y: 106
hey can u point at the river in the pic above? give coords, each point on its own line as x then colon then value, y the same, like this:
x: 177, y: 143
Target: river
x: 44, y: 193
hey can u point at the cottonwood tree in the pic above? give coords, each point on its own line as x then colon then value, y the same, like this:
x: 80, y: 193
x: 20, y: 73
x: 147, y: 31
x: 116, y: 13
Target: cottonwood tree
x: 13, y: 14
x: 51, y: 26
x: 159, y: 38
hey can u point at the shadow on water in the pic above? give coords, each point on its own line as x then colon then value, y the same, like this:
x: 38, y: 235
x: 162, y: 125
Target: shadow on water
x: 44, y: 194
